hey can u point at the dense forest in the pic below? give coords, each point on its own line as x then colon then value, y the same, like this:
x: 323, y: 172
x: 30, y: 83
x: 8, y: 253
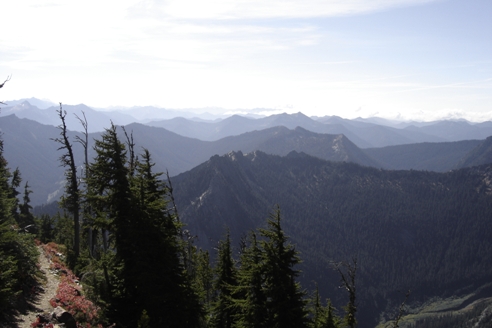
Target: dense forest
x: 252, y: 233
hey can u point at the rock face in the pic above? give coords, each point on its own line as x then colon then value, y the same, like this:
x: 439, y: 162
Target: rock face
x: 62, y: 316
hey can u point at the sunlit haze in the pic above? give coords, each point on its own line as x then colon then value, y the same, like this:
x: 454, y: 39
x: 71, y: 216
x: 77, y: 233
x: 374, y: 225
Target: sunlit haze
x: 399, y: 59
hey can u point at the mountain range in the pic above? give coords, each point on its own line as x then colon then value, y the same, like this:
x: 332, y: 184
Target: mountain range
x: 365, y: 133
x: 27, y: 145
x: 362, y: 133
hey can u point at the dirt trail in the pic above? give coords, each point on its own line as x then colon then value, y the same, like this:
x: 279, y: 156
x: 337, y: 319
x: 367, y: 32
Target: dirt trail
x: 41, y: 304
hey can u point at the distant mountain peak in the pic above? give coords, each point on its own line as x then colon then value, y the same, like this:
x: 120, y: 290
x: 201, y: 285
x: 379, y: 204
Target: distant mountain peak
x: 296, y: 154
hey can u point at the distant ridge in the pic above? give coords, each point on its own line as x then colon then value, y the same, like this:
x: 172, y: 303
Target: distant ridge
x: 362, y: 133
x: 439, y: 156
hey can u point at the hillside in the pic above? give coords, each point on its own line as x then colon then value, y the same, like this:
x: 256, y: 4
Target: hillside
x: 480, y: 155
x: 424, y: 231
x: 439, y: 157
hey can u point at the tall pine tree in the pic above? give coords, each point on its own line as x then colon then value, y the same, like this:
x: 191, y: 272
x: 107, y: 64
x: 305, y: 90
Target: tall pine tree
x: 285, y: 303
x: 146, y: 275
x: 223, y: 311
x: 250, y: 298
x: 164, y: 290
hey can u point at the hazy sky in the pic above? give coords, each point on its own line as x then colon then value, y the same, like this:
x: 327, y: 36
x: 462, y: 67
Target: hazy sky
x: 391, y: 58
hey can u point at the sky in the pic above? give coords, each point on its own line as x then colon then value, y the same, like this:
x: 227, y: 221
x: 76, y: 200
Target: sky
x: 398, y: 59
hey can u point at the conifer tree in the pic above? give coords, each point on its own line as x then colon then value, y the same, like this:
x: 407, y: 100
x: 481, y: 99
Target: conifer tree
x: 18, y: 254
x: 110, y: 197
x: 285, y: 303
x: 222, y: 311
x: 17, y: 251
x: 250, y: 299
x: 164, y: 290
x: 15, y: 181
x: 317, y: 310
x: 26, y: 218
x: 322, y: 317
x: 202, y: 276
x: 332, y: 321
x: 146, y: 274
x: 8, y: 238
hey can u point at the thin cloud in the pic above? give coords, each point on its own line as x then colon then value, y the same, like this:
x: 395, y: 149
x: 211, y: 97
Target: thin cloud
x: 480, y: 84
x: 259, y: 9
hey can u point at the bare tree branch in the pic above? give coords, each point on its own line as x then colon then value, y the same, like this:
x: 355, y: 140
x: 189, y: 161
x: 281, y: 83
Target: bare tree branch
x: 71, y: 201
x: 131, y: 146
x: 347, y: 276
x: 401, y: 310
x: 8, y: 79
x: 1, y: 86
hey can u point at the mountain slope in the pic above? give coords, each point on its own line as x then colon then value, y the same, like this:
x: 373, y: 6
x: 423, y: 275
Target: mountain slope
x: 27, y: 146
x: 424, y: 231
x: 455, y: 130
x: 480, y: 155
x: 439, y: 157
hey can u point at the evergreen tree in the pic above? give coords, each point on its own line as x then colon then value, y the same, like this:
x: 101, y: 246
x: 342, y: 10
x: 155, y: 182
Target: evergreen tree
x: 322, y: 317
x: 26, y: 218
x: 285, y: 304
x: 317, y: 310
x: 202, y: 276
x: 8, y: 240
x: 222, y: 311
x: 250, y: 299
x: 18, y: 253
x: 163, y: 287
x: 332, y: 321
x: 45, y: 228
x: 146, y: 274
x: 110, y: 197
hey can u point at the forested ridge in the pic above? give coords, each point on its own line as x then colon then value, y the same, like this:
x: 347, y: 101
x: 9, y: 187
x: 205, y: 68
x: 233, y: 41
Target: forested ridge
x: 249, y: 240
x: 424, y: 231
